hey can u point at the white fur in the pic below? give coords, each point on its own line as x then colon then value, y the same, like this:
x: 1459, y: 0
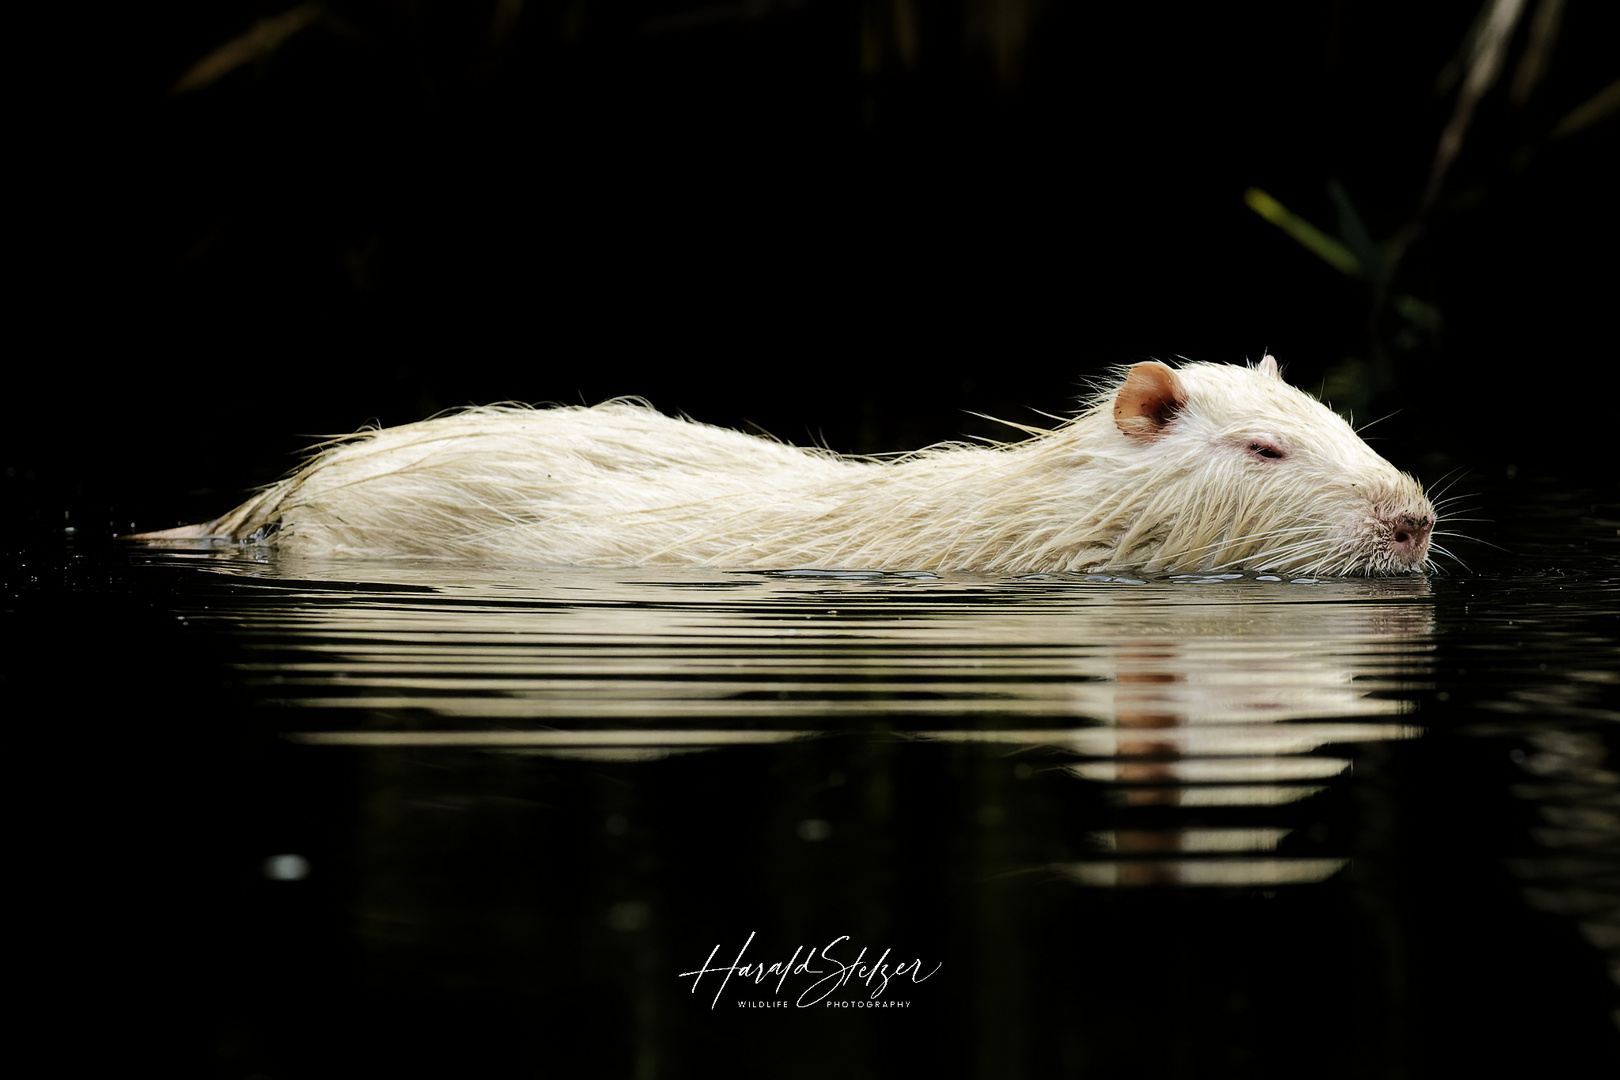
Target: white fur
x: 620, y: 484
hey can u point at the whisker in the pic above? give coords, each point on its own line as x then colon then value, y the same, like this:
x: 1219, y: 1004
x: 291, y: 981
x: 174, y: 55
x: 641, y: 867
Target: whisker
x: 1440, y: 550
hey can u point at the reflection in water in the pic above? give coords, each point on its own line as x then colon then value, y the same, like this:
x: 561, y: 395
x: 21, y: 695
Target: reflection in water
x: 584, y: 746
x: 591, y: 645
x: 456, y: 819
x: 1181, y: 698
x: 1182, y: 731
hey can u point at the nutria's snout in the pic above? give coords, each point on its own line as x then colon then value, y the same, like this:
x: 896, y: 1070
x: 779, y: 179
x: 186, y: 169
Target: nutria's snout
x: 1409, y: 537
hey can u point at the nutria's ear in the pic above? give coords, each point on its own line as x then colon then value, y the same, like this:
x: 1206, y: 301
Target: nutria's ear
x: 1148, y: 401
x: 1268, y: 366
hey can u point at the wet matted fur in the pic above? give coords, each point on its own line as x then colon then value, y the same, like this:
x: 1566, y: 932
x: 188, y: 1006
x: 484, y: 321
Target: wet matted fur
x: 1195, y: 468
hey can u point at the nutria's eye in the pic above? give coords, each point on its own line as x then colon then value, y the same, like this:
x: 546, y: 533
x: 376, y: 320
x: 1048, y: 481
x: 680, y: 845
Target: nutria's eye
x: 1267, y: 450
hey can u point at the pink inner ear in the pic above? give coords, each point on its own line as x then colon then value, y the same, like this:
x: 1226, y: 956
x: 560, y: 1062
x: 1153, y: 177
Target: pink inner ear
x: 1148, y: 401
x: 1268, y: 366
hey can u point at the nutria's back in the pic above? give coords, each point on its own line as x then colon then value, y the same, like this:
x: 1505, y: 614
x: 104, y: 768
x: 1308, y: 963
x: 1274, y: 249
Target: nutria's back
x: 1198, y: 468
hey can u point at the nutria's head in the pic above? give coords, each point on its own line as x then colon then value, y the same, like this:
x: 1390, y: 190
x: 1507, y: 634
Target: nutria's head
x: 1233, y: 468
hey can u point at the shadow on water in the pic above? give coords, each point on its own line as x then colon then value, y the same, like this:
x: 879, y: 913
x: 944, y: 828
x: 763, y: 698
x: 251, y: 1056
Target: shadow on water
x: 409, y: 817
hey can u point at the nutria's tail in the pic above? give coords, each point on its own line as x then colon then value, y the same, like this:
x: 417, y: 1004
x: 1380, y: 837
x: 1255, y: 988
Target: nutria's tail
x: 205, y: 531
x: 240, y: 524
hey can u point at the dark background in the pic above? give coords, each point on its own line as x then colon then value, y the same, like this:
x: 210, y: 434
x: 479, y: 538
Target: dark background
x: 842, y: 222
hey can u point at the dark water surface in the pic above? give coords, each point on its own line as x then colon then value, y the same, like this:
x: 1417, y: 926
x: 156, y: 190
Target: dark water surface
x: 303, y: 818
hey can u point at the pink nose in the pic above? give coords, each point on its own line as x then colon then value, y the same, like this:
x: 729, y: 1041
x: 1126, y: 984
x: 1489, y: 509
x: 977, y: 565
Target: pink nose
x: 1409, y: 537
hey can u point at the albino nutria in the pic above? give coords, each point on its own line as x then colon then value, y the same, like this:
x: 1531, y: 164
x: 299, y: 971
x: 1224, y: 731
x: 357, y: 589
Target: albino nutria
x: 1199, y: 468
